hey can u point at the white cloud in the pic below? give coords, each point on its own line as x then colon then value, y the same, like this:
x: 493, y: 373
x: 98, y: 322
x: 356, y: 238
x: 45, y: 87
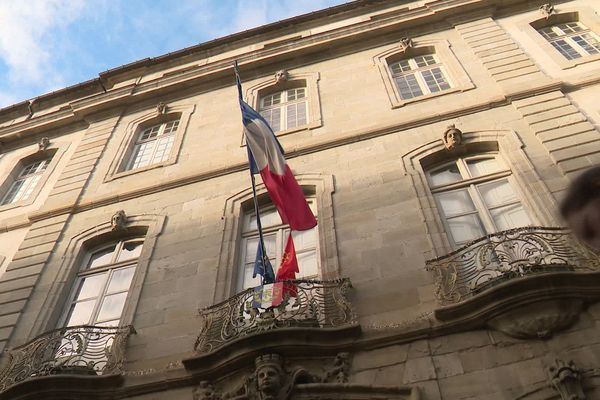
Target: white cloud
x: 25, y: 40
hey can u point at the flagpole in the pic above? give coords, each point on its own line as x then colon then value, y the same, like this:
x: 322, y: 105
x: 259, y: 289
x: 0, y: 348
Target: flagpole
x: 258, y: 223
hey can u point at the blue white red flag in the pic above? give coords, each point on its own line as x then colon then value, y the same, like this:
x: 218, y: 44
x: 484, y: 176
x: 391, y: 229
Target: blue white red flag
x: 266, y: 157
x: 263, y: 267
x: 267, y: 296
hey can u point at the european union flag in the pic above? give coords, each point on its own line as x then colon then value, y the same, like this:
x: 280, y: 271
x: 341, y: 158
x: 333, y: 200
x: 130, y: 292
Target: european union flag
x: 266, y: 272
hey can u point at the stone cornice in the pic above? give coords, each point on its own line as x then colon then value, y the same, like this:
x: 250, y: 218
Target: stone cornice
x: 267, y: 53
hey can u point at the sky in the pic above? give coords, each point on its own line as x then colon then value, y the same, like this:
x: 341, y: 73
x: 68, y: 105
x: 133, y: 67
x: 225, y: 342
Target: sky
x: 47, y: 45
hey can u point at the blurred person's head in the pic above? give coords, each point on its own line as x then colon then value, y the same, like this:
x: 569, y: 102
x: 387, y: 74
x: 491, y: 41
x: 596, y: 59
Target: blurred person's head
x: 581, y: 207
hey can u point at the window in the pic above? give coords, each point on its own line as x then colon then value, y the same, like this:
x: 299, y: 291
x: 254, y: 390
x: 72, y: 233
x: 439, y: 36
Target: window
x: 286, y: 109
x: 103, y: 284
x: 476, y: 197
x: 275, y: 235
x: 153, y: 145
x: 26, y: 181
x: 418, y: 76
x: 572, y: 39
x: 426, y: 69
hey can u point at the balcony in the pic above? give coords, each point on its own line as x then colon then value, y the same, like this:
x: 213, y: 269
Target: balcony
x: 78, y: 350
x: 499, y: 257
x: 320, y: 307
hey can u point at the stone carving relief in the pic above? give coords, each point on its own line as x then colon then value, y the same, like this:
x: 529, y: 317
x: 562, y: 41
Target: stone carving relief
x: 43, y: 143
x: 452, y: 137
x: 565, y: 378
x: 538, y: 320
x: 405, y: 43
x: 118, y: 220
x: 272, y: 380
x: 547, y: 10
x: 340, y: 369
x: 161, y: 108
x: 281, y: 76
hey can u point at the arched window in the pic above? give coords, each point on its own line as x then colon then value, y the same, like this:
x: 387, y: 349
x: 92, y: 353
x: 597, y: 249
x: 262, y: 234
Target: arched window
x: 476, y: 196
x: 153, y: 145
x: 103, y: 284
x: 25, y: 181
x: 571, y: 39
x: 285, y: 109
x: 275, y: 235
x: 418, y: 76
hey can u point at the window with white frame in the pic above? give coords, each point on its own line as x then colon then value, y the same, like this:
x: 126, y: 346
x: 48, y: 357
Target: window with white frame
x: 26, y: 181
x: 103, y: 284
x: 476, y: 197
x: 275, y: 236
x: 572, y: 39
x: 153, y: 145
x: 286, y: 109
x: 419, y: 76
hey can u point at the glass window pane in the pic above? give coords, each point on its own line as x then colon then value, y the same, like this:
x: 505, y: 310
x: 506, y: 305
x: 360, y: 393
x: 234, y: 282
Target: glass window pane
x: 435, y: 80
x: 81, y: 313
x: 565, y: 49
x: 268, y: 218
x: 248, y: 280
x: 408, y: 86
x: 455, y: 202
x: 508, y: 217
x: 91, y: 286
x: 587, y: 42
x: 307, y: 264
x: 112, y: 306
x: 101, y: 257
x: 497, y: 193
x: 130, y: 250
x: 304, y: 239
x: 120, y: 280
x: 445, y: 175
x: 483, y: 167
x: 465, y: 228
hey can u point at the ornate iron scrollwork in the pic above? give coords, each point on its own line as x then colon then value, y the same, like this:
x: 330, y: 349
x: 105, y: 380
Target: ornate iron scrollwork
x: 81, y: 350
x: 318, y: 304
x: 505, y: 255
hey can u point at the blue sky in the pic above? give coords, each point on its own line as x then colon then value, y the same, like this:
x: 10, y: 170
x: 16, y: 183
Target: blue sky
x: 49, y: 44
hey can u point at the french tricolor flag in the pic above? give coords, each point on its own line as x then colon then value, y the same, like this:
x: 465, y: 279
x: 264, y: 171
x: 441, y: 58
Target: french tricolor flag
x: 266, y: 157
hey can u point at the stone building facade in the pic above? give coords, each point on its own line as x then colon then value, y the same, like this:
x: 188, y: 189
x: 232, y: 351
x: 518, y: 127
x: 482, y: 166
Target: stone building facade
x: 433, y: 140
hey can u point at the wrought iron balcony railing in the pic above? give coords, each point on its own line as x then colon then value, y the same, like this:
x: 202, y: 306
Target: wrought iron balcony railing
x: 318, y: 304
x: 82, y: 350
x: 505, y: 255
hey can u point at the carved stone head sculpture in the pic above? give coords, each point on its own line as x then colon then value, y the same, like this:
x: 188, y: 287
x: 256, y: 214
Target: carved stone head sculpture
x: 281, y: 76
x: 161, y: 108
x: 269, y: 376
x: 118, y: 220
x: 44, y: 143
x: 452, y: 137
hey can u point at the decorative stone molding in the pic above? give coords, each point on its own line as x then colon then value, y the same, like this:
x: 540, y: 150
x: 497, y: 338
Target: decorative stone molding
x: 281, y: 76
x: 539, y: 320
x: 405, y: 43
x: 547, y: 10
x: 340, y: 370
x: 43, y: 143
x: 118, y: 221
x: 452, y: 137
x: 565, y: 378
x: 206, y: 391
x: 161, y: 108
x: 274, y: 379
x: 270, y: 380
